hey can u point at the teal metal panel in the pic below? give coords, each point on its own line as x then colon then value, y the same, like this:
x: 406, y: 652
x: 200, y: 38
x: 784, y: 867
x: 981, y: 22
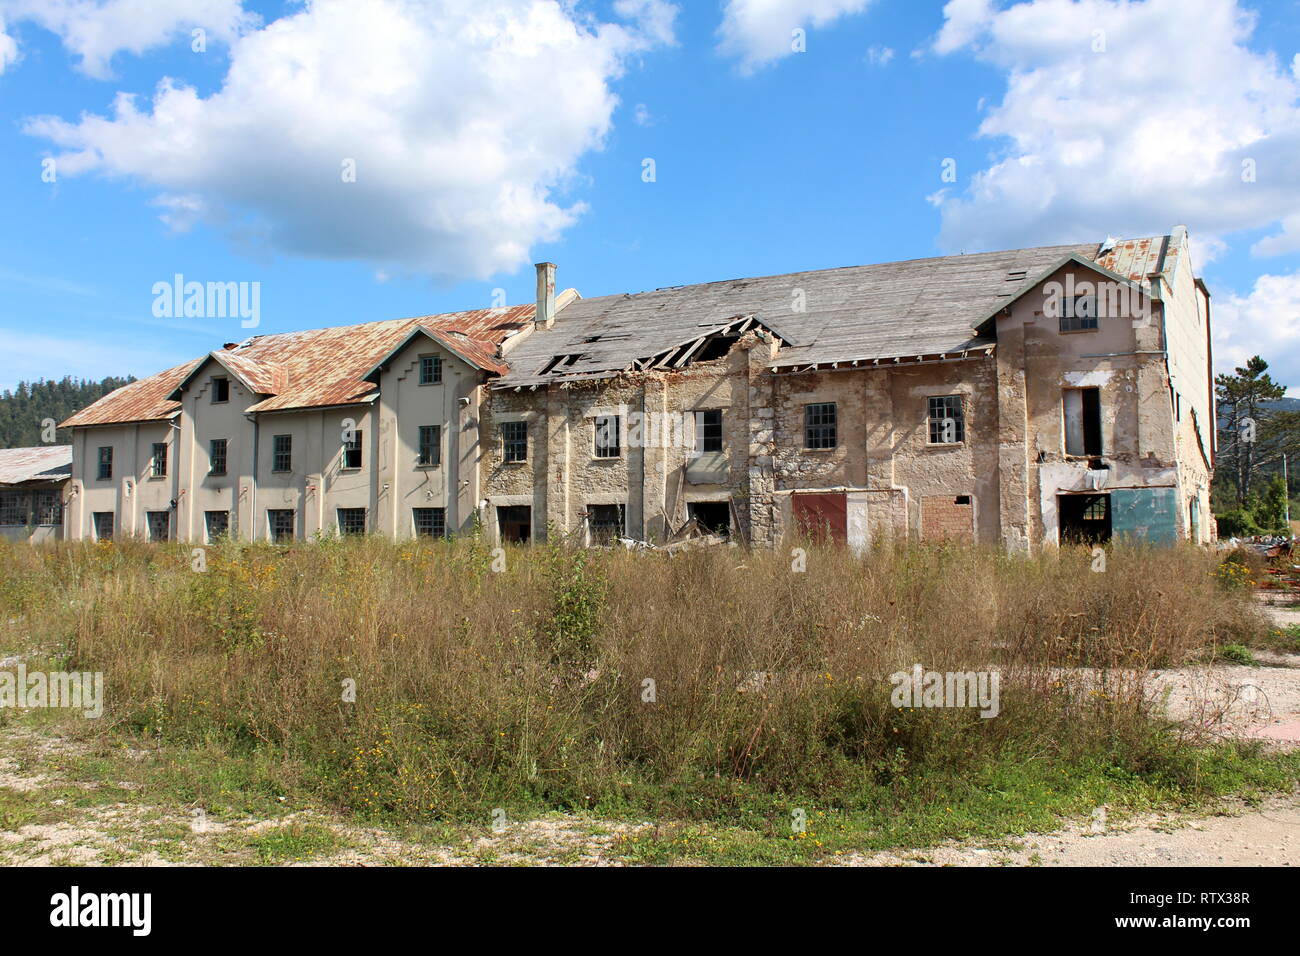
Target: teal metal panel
x: 1144, y: 514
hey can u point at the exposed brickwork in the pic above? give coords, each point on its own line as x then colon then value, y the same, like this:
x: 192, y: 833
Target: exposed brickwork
x: 942, y: 518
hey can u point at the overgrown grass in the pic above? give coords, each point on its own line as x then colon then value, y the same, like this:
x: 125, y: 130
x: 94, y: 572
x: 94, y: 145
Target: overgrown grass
x: 719, y: 686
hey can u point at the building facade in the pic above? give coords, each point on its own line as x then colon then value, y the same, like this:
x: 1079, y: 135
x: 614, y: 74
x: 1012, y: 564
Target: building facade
x: 1024, y: 398
x: 32, y: 484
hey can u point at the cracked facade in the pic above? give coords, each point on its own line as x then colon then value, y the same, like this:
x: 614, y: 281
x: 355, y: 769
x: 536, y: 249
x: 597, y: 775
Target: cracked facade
x: 1023, y: 398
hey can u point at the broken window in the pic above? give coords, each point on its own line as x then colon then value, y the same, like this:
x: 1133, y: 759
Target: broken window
x: 515, y: 523
x: 605, y: 522
x: 352, y: 520
x: 280, y: 523
x: 1084, y: 519
x: 13, y: 508
x: 708, y: 430
x: 105, y: 462
x: 158, y: 461
x: 282, y: 453
x: 947, y: 420
x: 103, y: 525
x: 1079, y: 313
x: 48, y: 506
x: 430, y: 522
x: 607, y: 436
x: 713, y: 517
x: 430, y: 369
x: 514, y: 442
x: 220, y: 390
x: 217, y: 524
x: 352, y: 451
x: 1082, y: 412
x: 217, y: 456
x: 430, y: 452
x: 819, y: 425
x: 159, y: 524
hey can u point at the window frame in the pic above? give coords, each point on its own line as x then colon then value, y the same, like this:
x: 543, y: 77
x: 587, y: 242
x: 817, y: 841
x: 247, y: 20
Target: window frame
x: 607, y: 452
x: 277, y: 453
x: 213, y: 457
x: 816, y: 442
x: 353, y: 448
x: 516, y: 442
x: 934, y: 425
x: 435, y: 378
x: 351, y: 530
x: 270, y: 524
x: 1071, y: 321
x: 220, y: 383
x: 104, y: 468
x: 154, y: 470
x: 439, y: 513
x: 703, y: 429
x: 428, y: 454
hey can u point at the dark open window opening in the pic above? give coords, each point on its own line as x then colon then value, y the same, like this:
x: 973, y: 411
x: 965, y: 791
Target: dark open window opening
x: 1082, y: 410
x: 280, y: 522
x: 1084, y: 519
x: 217, y: 456
x: 103, y: 525
x: 218, y: 524
x: 352, y: 451
x: 515, y: 523
x: 716, y: 347
x: 708, y: 430
x: 159, y: 525
x: 606, y: 523
x: 220, y: 390
x: 105, y: 462
x: 713, y: 517
x: 158, y: 462
x: 430, y: 451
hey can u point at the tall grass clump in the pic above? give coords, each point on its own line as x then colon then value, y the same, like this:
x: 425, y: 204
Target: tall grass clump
x: 428, y: 679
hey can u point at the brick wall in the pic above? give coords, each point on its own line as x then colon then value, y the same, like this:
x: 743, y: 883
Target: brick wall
x: 942, y: 517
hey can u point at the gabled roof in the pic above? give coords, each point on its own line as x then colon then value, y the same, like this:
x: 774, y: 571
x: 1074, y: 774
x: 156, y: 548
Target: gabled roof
x: 316, y: 368
x: 477, y: 353
x: 45, y: 463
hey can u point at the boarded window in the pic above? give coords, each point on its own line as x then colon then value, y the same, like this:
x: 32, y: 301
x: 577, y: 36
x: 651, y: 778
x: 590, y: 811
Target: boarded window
x: 820, y: 425
x: 217, y: 456
x: 1082, y: 413
x: 282, y: 453
x: 947, y: 420
x: 430, y: 522
x: 159, y: 524
x: 708, y: 430
x: 430, y: 452
x: 352, y: 451
x: 514, y: 441
x: 947, y: 518
x: 158, y: 462
x: 217, y: 524
x: 608, y: 444
x: 352, y: 520
x: 279, y: 522
x: 430, y: 370
x: 606, y: 523
x: 105, y: 462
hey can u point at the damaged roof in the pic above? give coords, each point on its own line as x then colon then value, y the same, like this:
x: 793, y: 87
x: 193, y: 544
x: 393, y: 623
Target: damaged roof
x: 46, y: 463
x: 861, y: 313
x: 317, y: 368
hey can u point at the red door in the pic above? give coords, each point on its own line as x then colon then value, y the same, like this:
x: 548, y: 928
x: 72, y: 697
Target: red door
x: 822, y: 516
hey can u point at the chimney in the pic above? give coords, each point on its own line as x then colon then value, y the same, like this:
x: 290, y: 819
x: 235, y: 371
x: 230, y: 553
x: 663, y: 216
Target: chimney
x: 544, y: 318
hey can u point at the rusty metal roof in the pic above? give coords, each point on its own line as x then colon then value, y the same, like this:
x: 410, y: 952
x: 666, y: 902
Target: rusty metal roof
x: 46, y: 463
x: 314, y: 368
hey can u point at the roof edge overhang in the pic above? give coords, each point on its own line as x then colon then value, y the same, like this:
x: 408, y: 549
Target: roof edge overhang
x: 368, y: 399
x: 216, y: 356
x: 984, y: 326
x: 116, y: 424
x: 973, y: 353
x: 446, y: 341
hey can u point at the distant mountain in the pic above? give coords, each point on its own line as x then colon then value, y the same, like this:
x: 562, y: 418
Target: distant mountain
x: 24, y: 408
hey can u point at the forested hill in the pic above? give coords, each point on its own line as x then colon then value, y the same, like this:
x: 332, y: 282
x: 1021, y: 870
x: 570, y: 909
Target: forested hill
x: 24, y: 408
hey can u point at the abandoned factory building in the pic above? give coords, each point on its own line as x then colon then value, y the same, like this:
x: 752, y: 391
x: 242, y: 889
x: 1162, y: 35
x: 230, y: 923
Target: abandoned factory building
x: 1026, y: 397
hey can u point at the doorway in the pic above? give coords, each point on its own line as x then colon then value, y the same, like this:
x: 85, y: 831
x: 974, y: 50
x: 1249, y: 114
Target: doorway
x: 515, y: 522
x: 1085, y: 519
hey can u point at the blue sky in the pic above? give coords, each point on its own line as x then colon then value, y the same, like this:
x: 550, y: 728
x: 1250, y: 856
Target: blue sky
x: 488, y: 135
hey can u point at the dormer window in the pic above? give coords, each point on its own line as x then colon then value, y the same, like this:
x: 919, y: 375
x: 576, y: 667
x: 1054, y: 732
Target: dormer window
x: 220, y: 390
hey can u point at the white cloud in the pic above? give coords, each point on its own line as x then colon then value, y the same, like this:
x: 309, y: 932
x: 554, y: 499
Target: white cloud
x: 464, y: 118
x: 1125, y: 118
x: 96, y: 30
x: 654, y: 18
x: 8, y: 47
x: 759, y: 31
x: 879, y: 55
x: 1265, y: 322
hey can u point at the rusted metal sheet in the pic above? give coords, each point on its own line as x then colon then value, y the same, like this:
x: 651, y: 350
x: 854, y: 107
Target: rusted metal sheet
x: 46, y: 463
x: 145, y: 400
x: 822, y: 516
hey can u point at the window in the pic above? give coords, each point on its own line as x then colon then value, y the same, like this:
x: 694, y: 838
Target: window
x: 282, y: 453
x: 1082, y: 412
x: 220, y: 390
x: 515, y: 523
x: 352, y: 451
x: 605, y: 523
x: 105, y: 462
x: 430, y: 370
x: 280, y: 523
x: 159, y: 524
x: 947, y: 420
x: 217, y: 524
x: 103, y: 525
x: 713, y: 517
x: 13, y: 508
x: 607, y: 436
x: 430, y: 522
x: 514, y: 441
x: 158, y: 463
x: 217, y: 456
x: 352, y: 521
x: 48, y: 506
x: 430, y: 445
x: 1079, y: 314
x: 708, y: 430
x: 819, y: 425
